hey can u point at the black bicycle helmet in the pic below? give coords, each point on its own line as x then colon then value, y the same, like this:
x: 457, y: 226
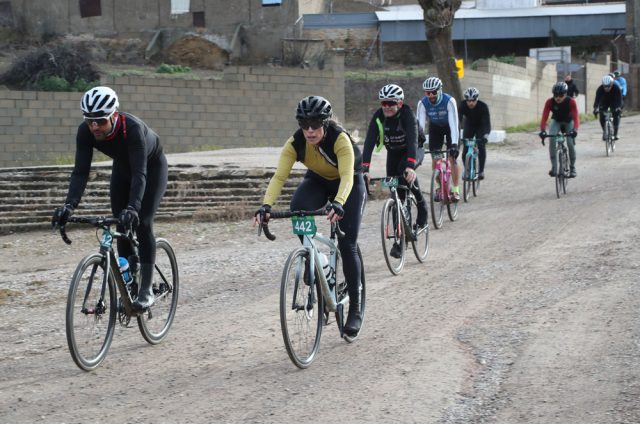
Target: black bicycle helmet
x: 559, y: 88
x: 314, y: 107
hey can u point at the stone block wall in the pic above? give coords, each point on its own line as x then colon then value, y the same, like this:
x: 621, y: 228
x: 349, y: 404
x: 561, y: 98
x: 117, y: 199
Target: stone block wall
x: 249, y: 106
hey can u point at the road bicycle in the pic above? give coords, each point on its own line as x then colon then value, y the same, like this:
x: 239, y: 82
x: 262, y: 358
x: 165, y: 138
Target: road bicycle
x: 307, y: 298
x: 98, y: 294
x: 441, y: 184
x: 471, y: 183
x: 562, y: 162
x: 397, y: 227
x: 610, y: 142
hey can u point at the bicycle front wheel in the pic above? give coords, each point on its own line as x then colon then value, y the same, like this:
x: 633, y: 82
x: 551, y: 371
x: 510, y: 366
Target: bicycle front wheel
x: 420, y: 241
x: 468, y: 178
x: 475, y: 184
x: 565, y: 170
x: 436, y: 200
x: 91, y: 312
x: 391, y: 230
x: 452, y: 207
x: 301, y: 310
x: 154, y: 324
x: 559, y: 172
x: 608, y: 134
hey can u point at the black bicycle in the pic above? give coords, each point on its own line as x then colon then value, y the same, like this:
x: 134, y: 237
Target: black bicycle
x: 98, y: 294
x: 397, y: 227
x: 562, y: 162
x: 609, y: 142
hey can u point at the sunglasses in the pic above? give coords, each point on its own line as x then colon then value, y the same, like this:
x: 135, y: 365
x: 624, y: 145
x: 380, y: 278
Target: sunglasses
x: 472, y: 100
x: 101, y: 122
x: 314, y: 124
x: 559, y: 96
x: 431, y: 92
x: 389, y: 103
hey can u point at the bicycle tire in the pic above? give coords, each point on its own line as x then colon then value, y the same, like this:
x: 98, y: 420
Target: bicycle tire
x: 452, y: 207
x: 90, y: 328
x: 363, y: 297
x: 476, y: 181
x: 301, y: 310
x: 420, y: 248
x: 154, y: 324
x: 437, y: 208
x: 468, y: 178
x: 559, y: 172
x: 608, y: 137
x: 565, y: 170
x: 392, y: 232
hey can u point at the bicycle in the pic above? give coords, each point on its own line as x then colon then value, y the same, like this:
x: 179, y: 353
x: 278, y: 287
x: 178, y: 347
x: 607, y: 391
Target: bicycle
x: 609, y: 143
x: 562, y: 162
x: 93, y: 303
x: 307, y: 298
x: 471, y: 183
x: 441, y: 189
x: 397, y: 227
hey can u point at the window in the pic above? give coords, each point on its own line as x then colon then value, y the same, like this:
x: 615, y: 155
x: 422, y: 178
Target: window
x: 89, y: 8
x: 271, y: 3
x: 198, y: 19
x: 180, y: 6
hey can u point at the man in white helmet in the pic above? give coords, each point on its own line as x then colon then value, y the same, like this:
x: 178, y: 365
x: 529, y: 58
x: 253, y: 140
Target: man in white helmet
x: 139, y: 177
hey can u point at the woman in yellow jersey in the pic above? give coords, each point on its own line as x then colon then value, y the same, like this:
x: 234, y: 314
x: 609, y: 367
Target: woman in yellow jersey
x: 334, y: 175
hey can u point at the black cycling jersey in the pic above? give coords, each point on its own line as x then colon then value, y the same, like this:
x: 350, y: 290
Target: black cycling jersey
x: 139, y: 175
x: 477, y: 121
x: 399, y: 134
x: 611, y: 99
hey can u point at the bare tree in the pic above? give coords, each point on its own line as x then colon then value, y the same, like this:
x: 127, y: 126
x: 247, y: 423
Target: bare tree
x: 438, y: 19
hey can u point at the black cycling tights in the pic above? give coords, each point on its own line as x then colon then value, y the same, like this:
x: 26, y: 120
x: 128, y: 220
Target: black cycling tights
x: 313, y: 193
x: 469, y: 132
x: 157, y: 175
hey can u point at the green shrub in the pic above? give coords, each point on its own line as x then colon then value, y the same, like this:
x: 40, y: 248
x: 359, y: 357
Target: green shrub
x: 52, y: 83
x: 172, y: 69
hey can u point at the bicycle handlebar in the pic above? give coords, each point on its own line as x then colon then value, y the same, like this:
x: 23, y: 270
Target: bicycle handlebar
x: 264, y: 226
x: 98, y: 221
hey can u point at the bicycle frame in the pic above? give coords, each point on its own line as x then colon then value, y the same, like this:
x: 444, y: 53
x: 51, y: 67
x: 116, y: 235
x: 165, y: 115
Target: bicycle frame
x: 444, y: 167
x: 328, y: 290
x: 472, y: 152
x: 402, y: 207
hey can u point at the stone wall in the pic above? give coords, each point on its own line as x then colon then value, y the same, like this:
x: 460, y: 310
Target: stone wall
x: 249, y: 106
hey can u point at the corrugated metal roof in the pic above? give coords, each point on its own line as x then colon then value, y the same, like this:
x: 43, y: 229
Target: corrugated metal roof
x: 415, y: 12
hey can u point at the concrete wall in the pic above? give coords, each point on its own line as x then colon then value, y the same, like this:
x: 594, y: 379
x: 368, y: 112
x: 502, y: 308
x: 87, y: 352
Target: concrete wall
x: 249, y: 106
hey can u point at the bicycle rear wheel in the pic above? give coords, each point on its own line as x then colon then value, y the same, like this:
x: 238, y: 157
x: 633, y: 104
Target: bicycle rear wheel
x: 392, y: 233
x: 342, y: 292
x: 91, y: 312
x: 301, y: 310
x: 437, y: 207
x: 421, y: 243
x: 469, y: 175
x: 154, y: 324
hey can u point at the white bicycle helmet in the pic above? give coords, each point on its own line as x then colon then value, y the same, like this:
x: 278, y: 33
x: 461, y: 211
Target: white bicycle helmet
x: 471, y: 93
x: 607, y: 80
x: 432, y: 83
x: 99, y: 102
x: 391, y: 91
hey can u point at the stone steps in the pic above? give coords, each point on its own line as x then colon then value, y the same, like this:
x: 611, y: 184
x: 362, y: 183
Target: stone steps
x: 28, y: 196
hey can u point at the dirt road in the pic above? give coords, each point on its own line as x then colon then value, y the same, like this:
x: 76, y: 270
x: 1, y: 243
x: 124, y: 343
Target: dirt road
x: 526, y: 311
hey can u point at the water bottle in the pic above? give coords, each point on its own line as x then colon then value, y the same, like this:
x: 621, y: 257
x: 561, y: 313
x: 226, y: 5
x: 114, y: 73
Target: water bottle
x: 124, y: 269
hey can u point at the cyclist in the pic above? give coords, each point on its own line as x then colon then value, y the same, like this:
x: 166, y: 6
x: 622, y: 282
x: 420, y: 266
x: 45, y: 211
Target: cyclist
x: 572, y: 89
x: 442, y: 113
x: 394, y: 126
x: 477, y: 124
x: 139, y: 175
x: 334, y: 174
x: 564, y: 117
x: 622, y: 83
x: 608, y: 97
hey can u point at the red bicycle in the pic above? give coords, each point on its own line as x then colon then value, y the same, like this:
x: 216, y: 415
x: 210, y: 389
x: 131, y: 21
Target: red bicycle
x: 441, y: 184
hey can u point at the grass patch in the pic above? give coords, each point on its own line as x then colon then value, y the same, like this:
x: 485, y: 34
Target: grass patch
x: 366, y: 74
